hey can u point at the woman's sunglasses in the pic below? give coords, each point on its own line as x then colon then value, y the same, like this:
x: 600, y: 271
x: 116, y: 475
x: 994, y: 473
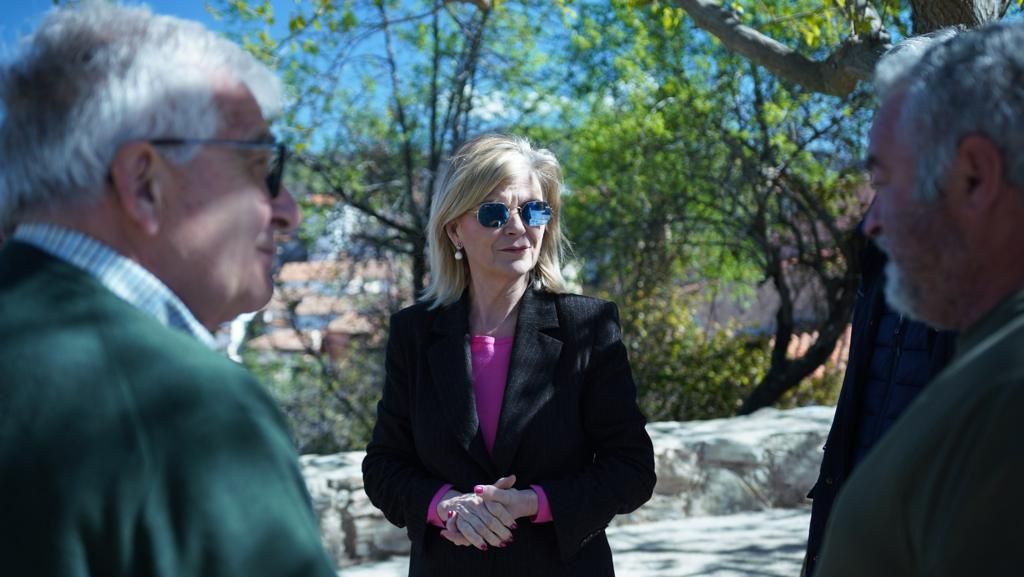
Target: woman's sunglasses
x: 496, y: 214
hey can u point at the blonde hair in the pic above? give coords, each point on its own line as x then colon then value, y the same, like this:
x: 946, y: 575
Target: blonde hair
x: 477, y: 168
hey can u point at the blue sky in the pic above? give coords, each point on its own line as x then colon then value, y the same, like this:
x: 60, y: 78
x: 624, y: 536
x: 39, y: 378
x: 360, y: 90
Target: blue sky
x: 19, y: 17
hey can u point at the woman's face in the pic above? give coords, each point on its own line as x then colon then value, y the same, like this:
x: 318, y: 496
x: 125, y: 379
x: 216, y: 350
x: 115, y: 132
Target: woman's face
x: 506, y: 254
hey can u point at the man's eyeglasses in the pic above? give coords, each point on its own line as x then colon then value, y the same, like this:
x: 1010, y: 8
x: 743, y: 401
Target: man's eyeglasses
x: 497, y: 214
x: 274, y: 174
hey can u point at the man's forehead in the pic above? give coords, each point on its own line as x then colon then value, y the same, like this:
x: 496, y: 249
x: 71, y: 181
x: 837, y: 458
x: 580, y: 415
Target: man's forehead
x: 890, y: 110
x: 885, y: 136
x: 240, y: 113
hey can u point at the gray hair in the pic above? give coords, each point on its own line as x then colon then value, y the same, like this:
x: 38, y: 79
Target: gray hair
x: 96, y: 76
x: 972, y: 85
x: 478, y: 167
x: 894, y: 67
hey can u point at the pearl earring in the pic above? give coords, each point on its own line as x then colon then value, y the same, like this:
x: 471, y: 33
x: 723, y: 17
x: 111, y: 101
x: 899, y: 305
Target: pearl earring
x: 458, y: 251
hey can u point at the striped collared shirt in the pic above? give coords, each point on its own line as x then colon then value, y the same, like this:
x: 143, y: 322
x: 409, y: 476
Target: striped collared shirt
x: 123, y: 277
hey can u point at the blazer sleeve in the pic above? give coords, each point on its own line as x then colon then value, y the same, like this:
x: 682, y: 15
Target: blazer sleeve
x: 621, y: 477
x: 393, y: 476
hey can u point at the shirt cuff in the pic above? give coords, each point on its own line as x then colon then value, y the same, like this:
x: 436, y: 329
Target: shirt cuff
x: 432, y: 517
x: 543, y: 508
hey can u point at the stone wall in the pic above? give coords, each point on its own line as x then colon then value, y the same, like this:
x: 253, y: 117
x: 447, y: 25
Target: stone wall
x: 766, y: 460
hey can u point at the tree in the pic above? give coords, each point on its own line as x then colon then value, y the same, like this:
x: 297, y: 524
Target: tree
x: 843, y: 38
x: 386, y: 90
x: 329, y: 388
x: 710, y: 173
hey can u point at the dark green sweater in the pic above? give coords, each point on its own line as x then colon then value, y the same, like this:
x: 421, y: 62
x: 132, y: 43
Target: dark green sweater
x: 128, y: 448
x: 941, y: 495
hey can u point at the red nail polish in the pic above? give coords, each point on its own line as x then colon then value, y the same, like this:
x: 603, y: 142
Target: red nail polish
x: 478, y: 489
x: 450, y: 513
x: 483, y: 547
x: 514, y: 526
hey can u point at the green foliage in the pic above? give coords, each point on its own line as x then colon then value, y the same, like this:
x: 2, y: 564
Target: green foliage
x: 318, y: 399
x: 688, y: 164
x: 685, y: 371
x: 823, y: 390
x: 384, y: 91
x: 342, y: 57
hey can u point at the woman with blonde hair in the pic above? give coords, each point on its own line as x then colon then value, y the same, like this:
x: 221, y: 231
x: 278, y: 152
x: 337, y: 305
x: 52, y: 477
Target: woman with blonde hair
x: 508, y: 434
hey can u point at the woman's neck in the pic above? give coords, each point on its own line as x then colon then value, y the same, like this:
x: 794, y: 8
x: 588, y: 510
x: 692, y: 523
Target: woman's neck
x: 494, y: 308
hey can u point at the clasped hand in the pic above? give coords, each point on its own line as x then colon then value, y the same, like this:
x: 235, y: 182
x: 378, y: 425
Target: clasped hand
x: 486, y: 516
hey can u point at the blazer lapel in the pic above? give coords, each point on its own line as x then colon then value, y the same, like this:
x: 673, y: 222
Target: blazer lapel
x: 531, y: 374
x: 451, y: 370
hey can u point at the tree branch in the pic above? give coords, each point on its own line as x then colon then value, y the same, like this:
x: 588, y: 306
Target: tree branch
x: 852, y: 61
x: 323, y: 169
x: 403, y: 125
x: 932, y: 15
x: 481, y: 4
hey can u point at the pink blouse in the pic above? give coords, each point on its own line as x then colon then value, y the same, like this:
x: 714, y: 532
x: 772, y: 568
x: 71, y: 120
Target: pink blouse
x: 490, y: 356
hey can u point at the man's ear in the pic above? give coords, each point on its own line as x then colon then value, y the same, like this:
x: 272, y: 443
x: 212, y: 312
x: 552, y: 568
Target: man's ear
x: 136, y: 175
x: 978, y: 172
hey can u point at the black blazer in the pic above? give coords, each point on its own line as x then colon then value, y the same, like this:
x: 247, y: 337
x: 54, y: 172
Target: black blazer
x: 569, y: 423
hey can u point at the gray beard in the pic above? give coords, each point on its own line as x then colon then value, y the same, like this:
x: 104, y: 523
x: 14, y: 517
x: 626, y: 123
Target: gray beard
x: 900, y: 296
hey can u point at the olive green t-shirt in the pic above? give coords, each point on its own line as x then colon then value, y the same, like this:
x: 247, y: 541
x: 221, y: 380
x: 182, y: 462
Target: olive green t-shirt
x: 942, y: 494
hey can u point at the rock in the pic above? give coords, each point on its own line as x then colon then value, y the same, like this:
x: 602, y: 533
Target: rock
x: 767, y: 460
x: 761, y: 461
x: 353, y: 530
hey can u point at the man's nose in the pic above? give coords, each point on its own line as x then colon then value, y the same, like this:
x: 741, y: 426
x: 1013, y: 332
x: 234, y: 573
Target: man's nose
x: 873, y: 220
x: 286, y: 215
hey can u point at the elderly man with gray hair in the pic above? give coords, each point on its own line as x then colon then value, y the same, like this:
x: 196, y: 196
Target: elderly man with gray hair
x: 136, y: 158
x: 940, y: 494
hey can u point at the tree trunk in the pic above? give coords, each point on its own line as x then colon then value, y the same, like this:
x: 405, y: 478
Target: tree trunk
x: 784, y: 373
x: 789, y: 374
x: 930, y: 15
x: 419, y: 267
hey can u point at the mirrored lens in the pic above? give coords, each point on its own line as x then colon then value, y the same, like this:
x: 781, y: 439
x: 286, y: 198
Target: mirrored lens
x: 492, y: 214
x: 535, y: 213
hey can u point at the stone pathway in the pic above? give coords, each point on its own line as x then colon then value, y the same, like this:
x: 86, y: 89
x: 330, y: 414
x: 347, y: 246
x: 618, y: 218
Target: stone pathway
x: 762, y: 544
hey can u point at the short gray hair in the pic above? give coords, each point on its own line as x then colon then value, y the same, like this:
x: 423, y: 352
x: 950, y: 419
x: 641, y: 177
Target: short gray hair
x: 478, y: 167
x: 971, y: 85
x: 894, y: 67
x: 98, y: 75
